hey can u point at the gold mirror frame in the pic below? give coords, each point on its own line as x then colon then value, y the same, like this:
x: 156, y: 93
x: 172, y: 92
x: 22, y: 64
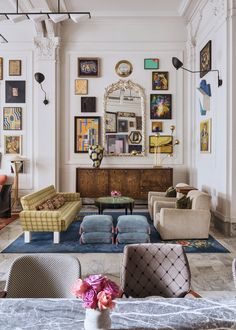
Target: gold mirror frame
x: 121, y: 85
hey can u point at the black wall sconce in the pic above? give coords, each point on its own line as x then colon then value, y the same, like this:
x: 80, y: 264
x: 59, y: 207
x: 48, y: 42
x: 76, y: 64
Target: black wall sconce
x: 178, y: 64
x: 39, y: 77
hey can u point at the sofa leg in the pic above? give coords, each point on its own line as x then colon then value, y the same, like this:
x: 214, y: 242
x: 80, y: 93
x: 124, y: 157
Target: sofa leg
x: 27, y: 235
x: 56, y: 237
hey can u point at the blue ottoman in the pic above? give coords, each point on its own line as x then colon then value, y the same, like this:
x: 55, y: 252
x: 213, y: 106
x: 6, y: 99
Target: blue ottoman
x: 132, y: 229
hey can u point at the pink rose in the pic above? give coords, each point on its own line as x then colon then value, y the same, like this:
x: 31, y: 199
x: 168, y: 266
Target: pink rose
x: 112, y: 289
x: 105, y: 301
x: 79, y: 288
x: 90, y: 299
x: 96, y: 282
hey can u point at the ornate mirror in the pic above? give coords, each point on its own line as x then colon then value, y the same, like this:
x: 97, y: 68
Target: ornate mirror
x: 124, y: 119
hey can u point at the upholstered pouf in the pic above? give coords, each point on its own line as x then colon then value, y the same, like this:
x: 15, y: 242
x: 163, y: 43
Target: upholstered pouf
x: 132, y: 229
x: 97, y: 229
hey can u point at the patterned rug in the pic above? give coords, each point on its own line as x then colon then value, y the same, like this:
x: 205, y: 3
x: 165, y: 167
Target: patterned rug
x: 5, y: 221
x: 69, y: 243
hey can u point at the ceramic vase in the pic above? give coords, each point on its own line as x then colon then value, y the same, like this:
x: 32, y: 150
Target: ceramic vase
x: 96, y: 154
x: 97, y: 320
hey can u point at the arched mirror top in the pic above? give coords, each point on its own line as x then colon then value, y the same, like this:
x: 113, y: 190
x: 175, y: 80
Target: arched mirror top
x: 124, y: 119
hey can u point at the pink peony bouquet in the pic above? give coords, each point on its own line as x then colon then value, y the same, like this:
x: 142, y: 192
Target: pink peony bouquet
x: 97, y: 292
x: 115, y: 193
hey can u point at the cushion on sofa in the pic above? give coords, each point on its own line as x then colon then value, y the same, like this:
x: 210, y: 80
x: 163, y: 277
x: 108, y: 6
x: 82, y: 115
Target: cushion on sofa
x: 184, y: 203
x: 170, y: 192
x: 97, y: 223
x: 96, y: 237
x: 125, y: 238
x: 132, y: 223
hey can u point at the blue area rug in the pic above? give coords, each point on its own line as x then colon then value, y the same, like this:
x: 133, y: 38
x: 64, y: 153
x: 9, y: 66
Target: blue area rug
x: 43, y: 242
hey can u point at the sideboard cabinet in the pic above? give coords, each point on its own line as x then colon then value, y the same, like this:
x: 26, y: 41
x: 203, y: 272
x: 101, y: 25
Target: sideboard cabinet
x: 132, y: 182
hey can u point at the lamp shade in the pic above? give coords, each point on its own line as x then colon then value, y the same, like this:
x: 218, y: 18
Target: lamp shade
x: 176, y: 63
x: 39, y: 77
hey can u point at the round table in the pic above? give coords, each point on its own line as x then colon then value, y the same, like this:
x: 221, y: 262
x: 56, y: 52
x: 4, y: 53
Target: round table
x: 114, y: 203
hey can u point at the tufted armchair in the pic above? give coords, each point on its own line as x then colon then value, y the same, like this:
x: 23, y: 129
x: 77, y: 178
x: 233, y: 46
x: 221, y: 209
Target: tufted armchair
x: 155, y: 270
x: 173, y: 223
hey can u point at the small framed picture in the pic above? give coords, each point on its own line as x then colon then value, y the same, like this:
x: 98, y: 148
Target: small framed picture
x: 88, y: 67
x: 160, y: 106
x: 81, y: 86
x: 1, y: 68
x: 12, y: 144
x: 151, y: 63
x: 160, y: 80
x: 14, y: 67
x: 157, y: 126
x: 88, y: 104
x: 205, y: 136
x: 12, y: 118
x: 15, y: 91
x: 111, y: 122
x: 205, y: 59
x: 122, y: 125
x: 162, y: 143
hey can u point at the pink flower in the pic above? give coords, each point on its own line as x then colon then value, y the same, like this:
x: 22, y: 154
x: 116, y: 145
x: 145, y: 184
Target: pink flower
x: 104, y: 300
x: 90, y: 299
x: 96, y: 282
x: 79, y: 288
x: 112, y: 289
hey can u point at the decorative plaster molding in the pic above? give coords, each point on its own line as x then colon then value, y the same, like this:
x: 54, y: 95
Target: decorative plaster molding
x: 47, y: 47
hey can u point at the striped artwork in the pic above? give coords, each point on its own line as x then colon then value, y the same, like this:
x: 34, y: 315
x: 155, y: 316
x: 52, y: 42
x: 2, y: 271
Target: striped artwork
x: 12, y: 118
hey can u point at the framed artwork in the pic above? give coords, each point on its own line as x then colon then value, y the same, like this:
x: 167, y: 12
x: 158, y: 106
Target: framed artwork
x: 160, y: 106
x: 88, y: 104
x: 139, y: 122
x: 88, y: 67
x: 87, y: 132
x: 205, y: 136
x: 124, y: 68
x: 12, y: 144
x: 1, y: 68
x: 12, y: 118
x: 205, y: 59
x: 123, y: 125
x: 162, y: 143
x: 135, y: 137
x: 15, y: 91
x: 151, y: 63
x: 116, y: 144
x: 157, y: 126
x: 111, y: 122
x: 160, y: 80
x: 14, y: 67
x: 81, y: 86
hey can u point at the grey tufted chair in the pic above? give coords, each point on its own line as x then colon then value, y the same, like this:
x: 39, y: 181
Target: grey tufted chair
x: 155, y: 270
x: 42, y: 276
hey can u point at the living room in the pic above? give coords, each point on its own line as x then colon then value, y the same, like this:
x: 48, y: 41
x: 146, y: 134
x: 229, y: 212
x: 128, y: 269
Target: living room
x: 107, y: 67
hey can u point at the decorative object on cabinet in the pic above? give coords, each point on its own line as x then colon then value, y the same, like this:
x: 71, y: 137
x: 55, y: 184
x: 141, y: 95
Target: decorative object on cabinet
x: 14, y: 67
x: 12, y: 144
x: 124, y: 68
x: 96, y: 154
x: 135, y: 137
x: 178, y: 64
x: 205, y: 136
x: 12, y: 118
x: 88, y: 104
x: 88, y: 67
x: 87, y: 132
x: 81, y: 86
x: 15, y: 91
x: 124, y: 101
x: 205, y: 59
x: 151, y: 63
x: 160, y: 80
x: 39, y: 77
x: 160, y: 106
x: 1, y: 68
x: 157, y: 126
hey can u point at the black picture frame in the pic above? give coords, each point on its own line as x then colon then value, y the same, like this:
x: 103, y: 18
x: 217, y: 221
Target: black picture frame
x: 205, y: 59
x: 88, y: 104
x: 15, y: 91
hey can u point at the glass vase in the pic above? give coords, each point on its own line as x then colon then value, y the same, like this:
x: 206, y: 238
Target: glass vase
x: 97, y: 320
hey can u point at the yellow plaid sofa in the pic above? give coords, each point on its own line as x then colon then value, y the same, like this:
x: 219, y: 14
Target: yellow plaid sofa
x: 55, y: 221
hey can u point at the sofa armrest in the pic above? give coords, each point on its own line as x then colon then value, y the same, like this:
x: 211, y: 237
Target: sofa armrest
x: 70, y: 197
x: 159, y: 204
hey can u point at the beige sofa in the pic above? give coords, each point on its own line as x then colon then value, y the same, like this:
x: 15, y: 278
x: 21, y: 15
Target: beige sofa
x: 173, y: 223
x: 56, y: 221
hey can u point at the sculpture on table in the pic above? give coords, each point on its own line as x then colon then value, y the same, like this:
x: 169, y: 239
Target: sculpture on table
x: 96, y: 154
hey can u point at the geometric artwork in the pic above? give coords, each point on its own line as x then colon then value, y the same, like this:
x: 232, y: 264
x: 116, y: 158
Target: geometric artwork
x: 87, y: 132
x: 81, y: 87
x: 88, y: 104
x: 205, y: 59
x: 162, y: 143
x: 15, y: 91
x: 88, y: 67
x: 205, y: 136
x: 160, y: 80
x: 151, y: 63
x: 12, y: 118
x: 160, y: 106
x: 12, y: 144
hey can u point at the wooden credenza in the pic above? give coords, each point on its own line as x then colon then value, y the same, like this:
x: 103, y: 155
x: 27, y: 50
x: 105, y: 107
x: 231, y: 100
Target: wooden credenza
x: 132, y: 182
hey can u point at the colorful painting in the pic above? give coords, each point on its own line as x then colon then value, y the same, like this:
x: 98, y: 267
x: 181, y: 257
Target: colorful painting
x: 12, y: 118
x: 160, y: 106
x: 151, y: 63
x: 12, y: 144
x: 205, y: 59
x: 87, y: 132
x: 205, y: 136
x: 157, y: 126
x: 88, y: 67
x: 162, y: 143
x: 81, y: 86
x: 160, y: 80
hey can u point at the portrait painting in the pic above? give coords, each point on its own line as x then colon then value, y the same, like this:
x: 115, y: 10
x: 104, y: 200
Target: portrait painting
x: 88, y: 67
x: 205, y: 59
x: 205, y: 136
x: 160, y: 80
x: 12, y: 144
x: 87, y: 132
x: 12, y: 118
x: 160, y: 106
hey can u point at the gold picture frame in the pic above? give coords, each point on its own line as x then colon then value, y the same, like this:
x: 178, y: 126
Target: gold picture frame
x: 1, y: 68
x: 81, y: 86
x: 14, y: 67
